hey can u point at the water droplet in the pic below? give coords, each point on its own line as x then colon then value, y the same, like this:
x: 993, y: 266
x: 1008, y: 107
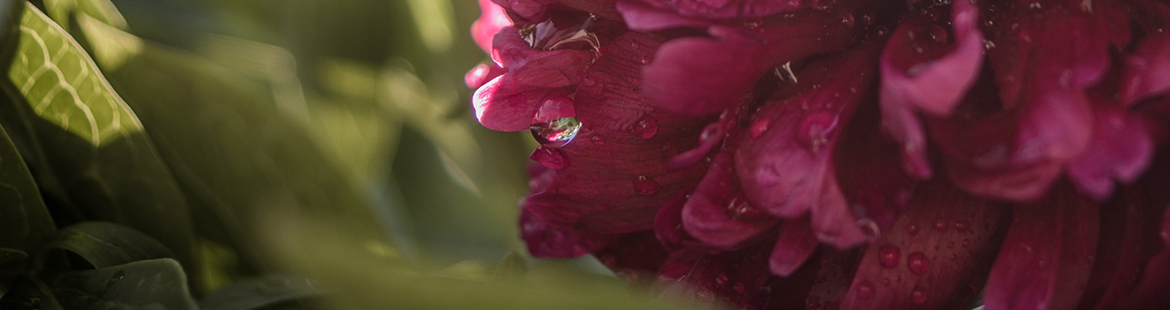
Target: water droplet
x: 646, y: 127
x: 712, y: 131
x: 551, y: 158
x: 597, y: 139
x: 881, y: 31
x: 938, y: 34
x: 865, y: 290
x: 1035, y: 6
x: 940, y: 225
x: 646, y: 186
x: 917, y: 262
x: 721, y: 281
x: 759, y: 127
x: 738, y: 207
x: 889, y: 256
x: 588, y: 81
x: 987, y: 44
x: 867, y: 18
x: 912, y: 229
x: 918, y: 295
x: 847, y: 20
x: 556, y: 133
x: 962, y: 225
x: 815, y: 129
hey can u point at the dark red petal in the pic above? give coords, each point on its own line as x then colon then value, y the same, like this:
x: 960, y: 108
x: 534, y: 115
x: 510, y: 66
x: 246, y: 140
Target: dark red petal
x: 786, y: 168
x: 1121, y: 150
x: 1147, y: 71
x: 933, y: 80
x: 1119, y: 253
x: 668, y: 225
x: 795, y: 244
x: 716, y: 213
x: 834, y: 275
x: 600, y: 8
x: 635, y: 257
x: 1047, y: 256
x: 703, y: 75
x: 936, y: 252
x: 642, y: 17
x: 526, y: 9
x: 1150, y: 292
x: 548, y: 241
x: 528, y: 67
x: 491, y: 19
x: 868, y: 168
x: 728, y: 9
x: 616, y: 183
x: 734, y: 277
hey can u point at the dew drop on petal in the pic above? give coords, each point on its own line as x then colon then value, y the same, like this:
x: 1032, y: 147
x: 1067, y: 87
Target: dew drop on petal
x: 912, y: 229
x: 646, y: 186
x: 847, y: 20
x: 918, y: 295
x: 556, y: 133
x: 588, y: 81
x: 865, y: 290
x: 889, y: 256
x: 646, y: 127
x: 917, y: 262
x: 940, y: 225
x: 938, y: 34
x: 597, y: 139
x: 962, y: 225
x: 815, y: 129
x: 551, y: 158
x: 759, y: 127
x: 721, y: 281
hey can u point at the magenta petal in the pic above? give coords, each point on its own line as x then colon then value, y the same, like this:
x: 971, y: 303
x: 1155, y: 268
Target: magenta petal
x: 1147, y: 71
x: 492, y: 18
x: 617, y: 182
x: 481, y: 74
x: 635, y: 257
x: 933, y: 256
x: 668, y: 225
x: 728, y: 9
x: 642, y: 17
x: 1119, y: 254
x: 912, y: 81
x: 734, y: 277
x: 703, y: 75
x: 795, y: 244
x: 716, y: 214
x: 505, y: 107
x: 528, y: 67
x: 1121, y: 149
x: 786, y: 168
x: 1047, y: 256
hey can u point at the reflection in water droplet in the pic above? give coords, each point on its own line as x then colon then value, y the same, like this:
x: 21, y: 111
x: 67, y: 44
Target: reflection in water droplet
x: 940, y: 225
x: 646, y: 186
x: 889, y: 256
x: 646, y: 128
x: 912, y: 229
x: 865, y: 290
x: 556, y: 133
x: 847, y: 20
x: 918, y: 295
x: 597, y: 139
x: 917, y: 262
x: 551, y: 158
x: 962, y: 225
x: 549, y: 35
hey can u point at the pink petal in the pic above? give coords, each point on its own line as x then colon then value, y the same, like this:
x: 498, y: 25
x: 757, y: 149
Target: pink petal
x: 1147, y: 71
x: 668, y: 226
x: 509, y: 102
x: 727, y: 9
x: 933, y: 81
x: 717, y: 214
x: 548, y: 241
x: 934, y: 254
x: 1047, y: 256
x: 703, y: 75
x: 795, y: 245
x: 616, y: 183
x: 786, y: 168
x: 492, y: 18
x: 1121, y: 150
x: 733, y: 277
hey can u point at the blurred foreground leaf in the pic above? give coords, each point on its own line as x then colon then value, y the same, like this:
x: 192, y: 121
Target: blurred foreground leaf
x: 62, y: 10
x: 150, y: 284
x: 259, y: 293
x: 24, y: 221
x: 100, y: 160
x: 104, y: 244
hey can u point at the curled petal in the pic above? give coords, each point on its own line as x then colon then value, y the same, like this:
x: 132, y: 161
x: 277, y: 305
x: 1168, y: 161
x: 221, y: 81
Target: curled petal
x: 795, y: 245
x: 934, y: 254
x: 716, y: 214
x: 481, y: 74
x: 786, y: 167
x: 1047, y: 256
x: 1121, y: 149
x: 618, y: 179
x: 703, y: 75
x: 932, y: 81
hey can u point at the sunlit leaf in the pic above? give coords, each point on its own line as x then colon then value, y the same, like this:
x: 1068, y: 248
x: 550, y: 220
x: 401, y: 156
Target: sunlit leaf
x: 104, y: 244
x: 259, y: 293
x: 99, y: 157
x: 101, y: 10
x: 149, y: 284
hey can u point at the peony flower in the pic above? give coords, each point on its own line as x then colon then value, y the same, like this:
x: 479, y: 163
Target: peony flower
x: 825, y: 154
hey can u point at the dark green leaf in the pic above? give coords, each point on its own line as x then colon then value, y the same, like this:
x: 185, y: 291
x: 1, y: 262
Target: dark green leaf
x: 91, y: 141
x: 24, y: 221
x: 260, y: 292
x: 29, y: 293
x: 150, y: 284
x: 105, y: 244
x: 11, y: 265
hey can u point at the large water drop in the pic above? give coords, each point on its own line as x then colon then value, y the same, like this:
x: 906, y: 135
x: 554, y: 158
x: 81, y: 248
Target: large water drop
x: 556, y: 133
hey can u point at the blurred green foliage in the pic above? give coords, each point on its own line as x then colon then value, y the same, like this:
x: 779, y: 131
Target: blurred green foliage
x: 255, y: 154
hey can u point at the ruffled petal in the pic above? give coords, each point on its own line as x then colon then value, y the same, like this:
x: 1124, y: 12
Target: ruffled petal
x: 510, y: 102
x: 704, y: 75
x: 1121, y: 150
x: 1047, y: 256
x: 717, y: 214
x: 921, y: 71
x: 786, y: 166
x: 614, y: 177
x: 938, y: 250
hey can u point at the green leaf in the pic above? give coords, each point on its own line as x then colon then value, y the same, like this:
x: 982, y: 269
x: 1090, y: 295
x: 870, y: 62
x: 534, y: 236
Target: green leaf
x: 99, y: 157
x: 29, y: 293
x: 512, y: 267
x: 24, y: 220
x: 11, y: 265
x: 260, y: 292
x: 102, y: 10
x: 150, y: 284
x: 105, y: 244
